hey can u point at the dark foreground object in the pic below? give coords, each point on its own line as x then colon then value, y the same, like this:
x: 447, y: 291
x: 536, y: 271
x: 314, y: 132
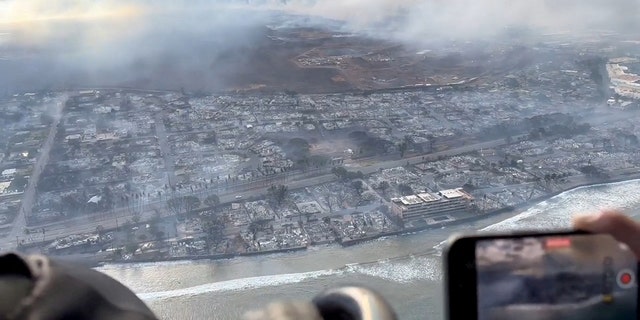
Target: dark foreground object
x: 36, y: 287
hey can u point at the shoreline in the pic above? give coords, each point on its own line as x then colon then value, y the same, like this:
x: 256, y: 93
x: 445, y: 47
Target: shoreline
x: 470, y: 217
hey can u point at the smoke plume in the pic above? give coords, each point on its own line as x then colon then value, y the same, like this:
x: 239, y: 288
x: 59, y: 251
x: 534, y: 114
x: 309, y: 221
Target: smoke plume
x: 206, y: 44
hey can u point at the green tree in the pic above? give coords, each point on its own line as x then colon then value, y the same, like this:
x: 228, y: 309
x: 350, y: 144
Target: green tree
x: 191, y: 203
x: 46, y: 119
x: 18, y: 184
x: 212, y: 201
x: 131, y: 247
x: 136, y: 218
x: 100, y: 232
x: 384, y: 186
x: 214, y: 227
x: 345, y: 175
x: 277, y: 193
x: 176, y: 205
x: 340, y: 172
x: 298, y: 148
x: 354, y: 175
x: 405, y: 189
x: 159, y: 234
x: 402, y: 147
x: 117, y: 254
x: 408, y: 140
x: 432, y: 141
x: 358, y: 186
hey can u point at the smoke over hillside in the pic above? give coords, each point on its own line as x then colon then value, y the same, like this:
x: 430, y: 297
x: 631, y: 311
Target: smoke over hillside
x: 469, y: 19
x: 203, y: 44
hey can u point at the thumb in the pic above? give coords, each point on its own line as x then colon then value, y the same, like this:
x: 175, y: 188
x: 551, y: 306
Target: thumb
x: 615, y: 223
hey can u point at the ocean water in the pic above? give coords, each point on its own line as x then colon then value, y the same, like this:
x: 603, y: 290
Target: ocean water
x: 405, y: 269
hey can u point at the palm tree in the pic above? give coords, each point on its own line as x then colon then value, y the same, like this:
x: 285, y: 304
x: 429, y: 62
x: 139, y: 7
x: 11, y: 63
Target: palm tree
x: 99, y: 232
x: 212, y: 200
x: 402, y: 147
x: 432, y: 141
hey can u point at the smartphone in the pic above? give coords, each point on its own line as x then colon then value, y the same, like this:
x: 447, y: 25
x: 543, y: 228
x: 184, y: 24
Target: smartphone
x: 531, y: 275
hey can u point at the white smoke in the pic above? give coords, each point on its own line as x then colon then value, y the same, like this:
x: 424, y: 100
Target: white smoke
x: 468, y: 19
x: 198, y: 44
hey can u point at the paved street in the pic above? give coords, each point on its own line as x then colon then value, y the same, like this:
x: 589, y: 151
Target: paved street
x: 29, y: 196
x: 226, y: 192
x: 161, y: 133
x: 121, y: 215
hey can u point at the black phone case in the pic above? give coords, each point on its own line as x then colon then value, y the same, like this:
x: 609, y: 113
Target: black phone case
x: 460, y: 302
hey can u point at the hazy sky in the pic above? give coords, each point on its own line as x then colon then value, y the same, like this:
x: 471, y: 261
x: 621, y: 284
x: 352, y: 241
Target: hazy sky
x: 462, y: 18
x: 165, y: 42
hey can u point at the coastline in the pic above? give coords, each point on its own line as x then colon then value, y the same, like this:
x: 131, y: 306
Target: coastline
x: 467, y: 218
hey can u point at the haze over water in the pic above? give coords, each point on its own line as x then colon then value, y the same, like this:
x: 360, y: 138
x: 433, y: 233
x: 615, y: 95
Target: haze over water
x: 406, y: 269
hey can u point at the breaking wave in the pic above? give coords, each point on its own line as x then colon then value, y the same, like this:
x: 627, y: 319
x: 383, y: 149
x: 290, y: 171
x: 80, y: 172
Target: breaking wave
x: 238, y: 284
x: 555, y: 212
x: 401, y: 269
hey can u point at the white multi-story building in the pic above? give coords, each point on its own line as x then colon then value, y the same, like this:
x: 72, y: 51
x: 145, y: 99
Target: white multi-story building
x: 427, y: 204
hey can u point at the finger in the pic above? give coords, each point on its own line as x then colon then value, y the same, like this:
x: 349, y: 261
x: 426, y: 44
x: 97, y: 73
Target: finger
x: 617, y: 224
x: 285, y: 311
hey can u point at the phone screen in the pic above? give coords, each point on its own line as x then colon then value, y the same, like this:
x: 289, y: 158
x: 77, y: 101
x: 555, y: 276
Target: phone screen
x: 556, y: 277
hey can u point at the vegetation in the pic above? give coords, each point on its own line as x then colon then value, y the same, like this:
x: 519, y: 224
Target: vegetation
x: 213, y: 226
x: 131, y: 247
x: 175, y: 205
x: 99, y: 232
x: 405, y: 189
x: 184, y: 204
x: 368, y: 145
x: 593, y: 171
x: 384, y: 186
x: 297, y: 149
x: 402, y: 147
x: 212, y: 201
x: 191, y: 203
x: 257, y: 226
x: 277, y: 193
x: 346, y: 175
x: 18, y: 184
x: 539, y: 126
x: 358, y: 186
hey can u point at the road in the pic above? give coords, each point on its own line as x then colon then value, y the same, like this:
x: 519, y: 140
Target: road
x: 227, y: 193
x: 119, y: 216
x: 29, y: 195
x: 161, y: 133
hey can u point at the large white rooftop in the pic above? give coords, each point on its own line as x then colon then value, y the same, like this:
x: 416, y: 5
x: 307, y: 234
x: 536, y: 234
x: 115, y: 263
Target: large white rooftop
x: 428, y: 197
x: 452, y: 193
x: 409, y: 200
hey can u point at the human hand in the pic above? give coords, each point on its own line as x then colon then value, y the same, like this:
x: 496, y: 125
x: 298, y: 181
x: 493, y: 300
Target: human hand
x: 612, y: 222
